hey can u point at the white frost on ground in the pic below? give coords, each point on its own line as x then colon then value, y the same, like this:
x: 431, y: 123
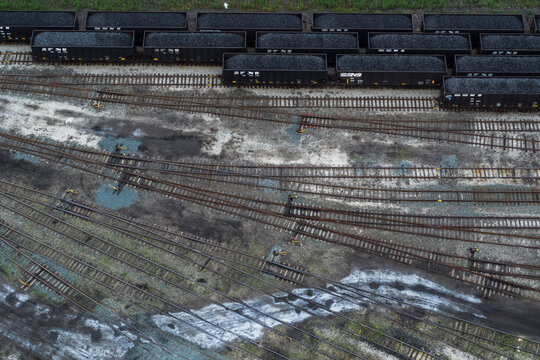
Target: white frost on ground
x: 414, y: 289
x: 71, y: 343
x: 222, y: 137
x: 43, y: 120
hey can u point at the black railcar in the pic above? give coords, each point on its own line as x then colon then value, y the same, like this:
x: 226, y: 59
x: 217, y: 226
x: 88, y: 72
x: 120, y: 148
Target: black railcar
x: 19, y: 25
x: 83, y: 46
x: 494, y: 92
x: 429, y: 44
x: 362, y: 23
x: 139, y: 22
x: 474, y: 24
x: 499, y: 65
x: 196, y: 47
x: 391, y: 70
x: 249, y: 22
x: 510, y: 44
x: 277, y: 69
x: 330, y: 44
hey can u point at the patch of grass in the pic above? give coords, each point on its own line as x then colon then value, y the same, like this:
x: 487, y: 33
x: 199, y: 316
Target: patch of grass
x: 272, y: 5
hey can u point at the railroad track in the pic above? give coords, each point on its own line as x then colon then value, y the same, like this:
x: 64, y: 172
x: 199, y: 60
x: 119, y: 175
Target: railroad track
x: 206, y: 80
x: 272, y: 214
x: 455, y: 131
x: 457, y: 327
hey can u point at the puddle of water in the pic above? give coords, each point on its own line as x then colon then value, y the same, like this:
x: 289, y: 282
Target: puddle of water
x: 114, y: 201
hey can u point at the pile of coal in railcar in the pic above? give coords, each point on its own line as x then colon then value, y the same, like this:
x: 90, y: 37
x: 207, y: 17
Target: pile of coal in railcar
x: 391, y: 70
x: 278, y: 69
x: 502, y: 65
x: 136, y: 21
x: 19, y: 25
x: 362, y: 23
x: 330, y: 44
x: 510, y: 44
x: 249, y: 22
x: 83, y: 46
x: 197, y: 47
x: 473, y: 24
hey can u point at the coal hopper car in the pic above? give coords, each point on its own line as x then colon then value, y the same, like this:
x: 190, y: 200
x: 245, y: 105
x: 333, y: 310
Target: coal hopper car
x: 139, y: 22
x: 19, y: 25
x: 192, y: 47
x: 491, y: 92
x: 82, y: 46
x: 274, y: 69
x: 391, y: 70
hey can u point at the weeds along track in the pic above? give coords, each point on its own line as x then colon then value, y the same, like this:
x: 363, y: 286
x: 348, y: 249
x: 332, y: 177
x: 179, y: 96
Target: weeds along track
x: 496, y: 278
x: 478, y: 339
x: 489, y: 133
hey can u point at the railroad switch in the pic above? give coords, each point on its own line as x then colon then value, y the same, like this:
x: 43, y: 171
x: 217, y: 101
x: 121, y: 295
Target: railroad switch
x: 62, y: 203
x: 279, y: 252
x: 119, y: 147
x: 473, y: 252
x: 296, y: 242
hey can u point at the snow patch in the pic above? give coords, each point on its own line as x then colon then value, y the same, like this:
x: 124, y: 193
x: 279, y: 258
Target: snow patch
x: 241, y: 321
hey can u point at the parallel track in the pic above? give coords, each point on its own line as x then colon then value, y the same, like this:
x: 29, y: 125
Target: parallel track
x: 460, y: 326
x: 498, y: 136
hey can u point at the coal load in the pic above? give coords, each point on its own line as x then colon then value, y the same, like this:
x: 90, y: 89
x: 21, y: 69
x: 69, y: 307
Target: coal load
x: 511, y: 42
x: 82, y: 39
x: 472, y: 22
x: 37, y: 19
x: 362, y: 21
x: 498, y: 64
x: 419, y: 41
x: 307, y: 41
x: 136, y: 19
x: 249, y: 21
x: 194, y: 40
x: 491, y: 85
x: 275, y: 62
x: 390, y: 63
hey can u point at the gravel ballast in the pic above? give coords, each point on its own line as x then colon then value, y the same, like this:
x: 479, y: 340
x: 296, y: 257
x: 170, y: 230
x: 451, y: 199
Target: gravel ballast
x: 307, y: 41
x: 491, y: 85
x: 390, y: 63
x: 473, y: 22
x: 249, y: 21
x: 362, y: 21
x: 275, y: 62
x: 194, y: 40
x: 419, y: 41
x: 82, y: 38
x: 134, y: 19
x: 511, y: 42
x: 489, y: 63
x: 36, y: 18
